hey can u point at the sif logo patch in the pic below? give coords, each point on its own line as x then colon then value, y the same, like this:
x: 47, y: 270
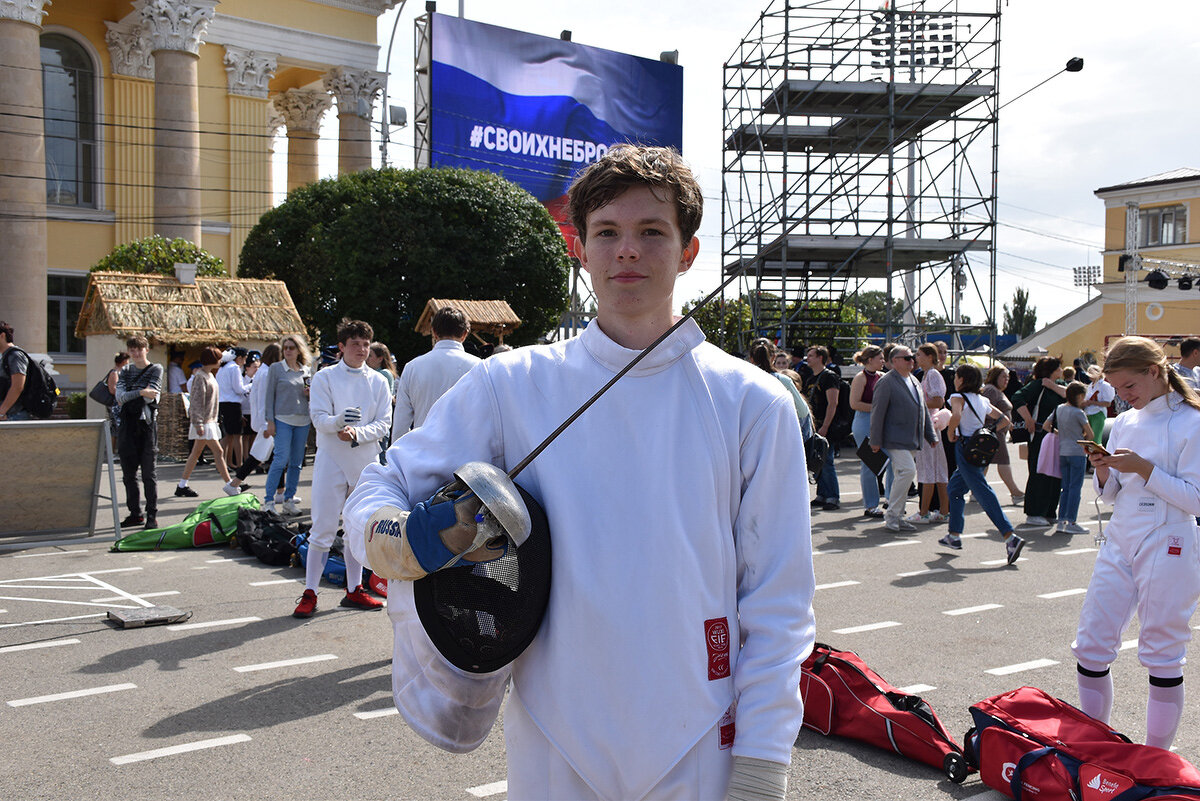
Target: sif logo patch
x: 1174, y: 546
x: 716, y: 638
x: 1099, y: 784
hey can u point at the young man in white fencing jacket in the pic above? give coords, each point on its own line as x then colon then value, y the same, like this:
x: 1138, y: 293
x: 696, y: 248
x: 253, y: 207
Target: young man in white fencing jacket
x: 668, y: 661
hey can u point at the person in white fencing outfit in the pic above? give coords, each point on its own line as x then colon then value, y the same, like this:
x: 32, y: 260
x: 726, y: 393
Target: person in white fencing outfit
x: 427, y: 377
x: 350, y: 405
x: 668, y: 662
x: 1149, y: 560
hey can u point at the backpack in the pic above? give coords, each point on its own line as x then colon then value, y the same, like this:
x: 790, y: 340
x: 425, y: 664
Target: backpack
x: 843, y: 416
x: 266, y: 535
x: 980, y: 448
x: 40, y: 395
x: 1028, y: 744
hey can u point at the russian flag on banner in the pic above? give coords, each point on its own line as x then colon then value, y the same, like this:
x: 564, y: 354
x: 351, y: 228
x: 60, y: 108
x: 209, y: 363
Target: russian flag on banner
x: 538, y: 110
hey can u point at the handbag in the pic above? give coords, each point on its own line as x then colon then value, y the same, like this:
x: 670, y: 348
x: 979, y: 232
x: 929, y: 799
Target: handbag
x: 1019, y: 432
x: 101, y: 395
x: 1047, y: 463
x: 981, y: 447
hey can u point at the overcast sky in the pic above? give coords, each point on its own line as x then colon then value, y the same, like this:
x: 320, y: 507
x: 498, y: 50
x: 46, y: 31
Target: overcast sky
x: 1132, y: 112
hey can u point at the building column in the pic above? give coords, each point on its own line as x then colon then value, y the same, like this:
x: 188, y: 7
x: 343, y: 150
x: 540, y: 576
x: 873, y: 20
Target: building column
x: 249, y: 72
x: 302, y: 110
x: 22, y: 173
x: 132, y: 133
x: 175, y: 29
x: 355, y: 92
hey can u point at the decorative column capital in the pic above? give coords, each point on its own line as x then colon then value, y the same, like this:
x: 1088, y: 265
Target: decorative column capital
x: 249, y: 70
x: 130, y: 50
x: 30, y: 11
x: 302, y: 109
x: 175, y: 24
x: 355, y: 90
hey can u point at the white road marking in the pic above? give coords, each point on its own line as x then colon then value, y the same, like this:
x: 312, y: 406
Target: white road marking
x: 994, y: 562
x: 970, y: 610
x: 52, y: 553
x: 834, y: 550
x: 180, y: 749
x: 1127, y: 644
x: 484, y: 790
x: 916, y: 689
x: 274, y: 581
x: 210, y: 623
x: 304, y: 660
x: 1017, y: 668
x: 29, y: 646
x: 200, y: 567
x: 378, y: 713
x: 143, y: 595
x: 972, y: 536
x: 887, y: 624
x: 926, y: 572
x: 230, y: 559
x: 1074, y: 551
x: 51, y: 620
x: 836, y: 584
x: 1063, y: 593
x: 894, y: 543
x: 43, y: 699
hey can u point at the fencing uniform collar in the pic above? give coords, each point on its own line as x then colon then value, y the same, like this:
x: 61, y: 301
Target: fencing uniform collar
x: 614, y: 357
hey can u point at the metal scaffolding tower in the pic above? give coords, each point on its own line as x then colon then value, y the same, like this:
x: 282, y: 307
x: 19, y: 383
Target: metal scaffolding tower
x: 861, y: 144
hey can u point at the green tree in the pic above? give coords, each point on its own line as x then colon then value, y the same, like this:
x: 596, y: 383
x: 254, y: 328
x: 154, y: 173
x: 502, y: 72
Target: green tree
x: 376, y: 245
x: 157, y: 254
x: 723, y: 321
x: 1021, y: 318
x: 873, y: 306
x: 829, y: 323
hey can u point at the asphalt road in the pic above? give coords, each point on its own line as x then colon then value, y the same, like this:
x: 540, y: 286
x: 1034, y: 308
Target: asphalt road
x: 243, y: 701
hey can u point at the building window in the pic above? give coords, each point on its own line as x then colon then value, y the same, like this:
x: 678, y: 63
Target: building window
x: 69, y: 102
x: 1162, y: 226
x: 64, y: 301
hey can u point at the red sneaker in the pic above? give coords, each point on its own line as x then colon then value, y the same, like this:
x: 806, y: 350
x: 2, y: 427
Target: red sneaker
x: 359, y: 599
x: 307, y: 605
x: 377, y: 585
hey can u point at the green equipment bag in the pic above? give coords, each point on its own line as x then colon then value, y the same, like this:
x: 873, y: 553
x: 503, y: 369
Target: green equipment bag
x: 212, y: 523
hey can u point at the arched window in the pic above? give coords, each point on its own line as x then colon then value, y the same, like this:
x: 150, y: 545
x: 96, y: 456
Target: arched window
x: 69, y: 99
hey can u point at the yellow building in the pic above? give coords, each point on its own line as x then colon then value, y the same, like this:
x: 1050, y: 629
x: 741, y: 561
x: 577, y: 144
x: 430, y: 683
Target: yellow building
x: 1163, y: 206
x: 120, y: 119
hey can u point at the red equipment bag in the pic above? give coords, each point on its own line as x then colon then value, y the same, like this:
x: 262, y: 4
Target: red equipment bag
x: 1030, y: 745
x: 843, y: 696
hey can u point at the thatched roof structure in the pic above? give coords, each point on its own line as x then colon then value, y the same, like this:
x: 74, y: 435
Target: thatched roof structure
x: 212, y: 310
x: 494, y: 317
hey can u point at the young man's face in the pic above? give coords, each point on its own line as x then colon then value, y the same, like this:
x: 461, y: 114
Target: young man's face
x: 137, y: 353
x: 814, y: 360
x: 354, y: 351
x: 633, y: 253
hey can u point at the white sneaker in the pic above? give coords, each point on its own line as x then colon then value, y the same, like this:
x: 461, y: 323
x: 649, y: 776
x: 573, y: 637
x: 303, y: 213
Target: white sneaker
x: 1073, y: 528
x: 232, y: 489
x: 917, y: 517
x: 936, y: 517
x: 291, y: 508
x: 1036, y: 520
x: 269, y: 506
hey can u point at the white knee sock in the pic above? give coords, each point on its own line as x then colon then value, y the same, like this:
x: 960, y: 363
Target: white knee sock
x: 354, y: 570
x: 1096, y: 695
x: 314, y: 566
x: 1164, y: 710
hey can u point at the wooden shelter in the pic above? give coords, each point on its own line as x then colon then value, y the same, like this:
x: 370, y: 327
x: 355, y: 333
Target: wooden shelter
x: 493, y: 317
x: 210, y: 311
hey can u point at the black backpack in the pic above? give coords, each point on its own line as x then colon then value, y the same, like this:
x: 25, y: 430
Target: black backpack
x: 265, y: 535
x: 40, y: 395
x: 982, y: 446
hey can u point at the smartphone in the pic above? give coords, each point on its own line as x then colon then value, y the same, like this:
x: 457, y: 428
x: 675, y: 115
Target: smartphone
x: 1092, y: 447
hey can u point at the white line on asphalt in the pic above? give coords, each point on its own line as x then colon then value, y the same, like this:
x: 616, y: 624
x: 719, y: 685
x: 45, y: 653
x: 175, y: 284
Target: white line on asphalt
x: 29, y: 646
x: 894, y: 543
x: 927, y: 572
x: 994, y: 562
x: 50, y: 620
x: 834, y: 550
x: 200, y: 567
x: 377, y: 713
x: 180, y: 749
x: 52, y: 553
x: 43, y: 699
x: 274, y: 581
x: 972, y: 536
x: 112, y: 598
x: 304, y: 660
x: 484, y: 790
x: 887, y: 624
x: 1032, y: 665
x: 233, y: 621
x: 1127, y: 644
x: 836, y: 584
x: 916, y: 689
x: 230, y: 559
x: 970, y: 610
x: 1063, y: 593
x: 1074, y: 551
x: 3, y: 611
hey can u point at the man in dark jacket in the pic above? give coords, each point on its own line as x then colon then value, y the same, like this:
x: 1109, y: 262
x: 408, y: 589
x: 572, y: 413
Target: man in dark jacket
x: 900, y: 420
x: 138, y: 388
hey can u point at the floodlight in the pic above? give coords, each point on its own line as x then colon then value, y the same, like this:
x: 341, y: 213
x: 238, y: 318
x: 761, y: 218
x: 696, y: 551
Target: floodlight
x: 1075, y: 64
x: 1185, y: 283
x: 1157, y: 279
x: 669, y: 56
x: 565, y: 36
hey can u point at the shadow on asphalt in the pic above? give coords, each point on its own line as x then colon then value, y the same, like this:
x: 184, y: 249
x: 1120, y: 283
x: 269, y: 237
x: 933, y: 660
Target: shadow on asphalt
x: 281, y: 701
x: 811, y: 748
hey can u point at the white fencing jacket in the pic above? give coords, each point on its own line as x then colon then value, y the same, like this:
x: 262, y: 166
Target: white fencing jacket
x: 425, y: 379
x: 337, y: 388
x: 664, y: 512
